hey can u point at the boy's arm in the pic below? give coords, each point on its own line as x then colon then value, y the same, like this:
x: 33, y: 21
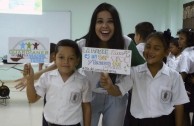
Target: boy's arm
x: 86, y: 108
x: 179, y: 112
x: 31, y: 92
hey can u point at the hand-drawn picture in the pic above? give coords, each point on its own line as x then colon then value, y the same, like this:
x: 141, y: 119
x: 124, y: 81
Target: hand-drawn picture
x: 106, y: 60
x: 28, y: 50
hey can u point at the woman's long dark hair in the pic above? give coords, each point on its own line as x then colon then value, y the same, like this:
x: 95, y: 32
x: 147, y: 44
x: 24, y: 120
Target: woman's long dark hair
x: 117, y: 40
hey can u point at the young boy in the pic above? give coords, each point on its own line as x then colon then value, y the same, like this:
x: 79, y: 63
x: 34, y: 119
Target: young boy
x: 67, y: 92
x: 142, y: 30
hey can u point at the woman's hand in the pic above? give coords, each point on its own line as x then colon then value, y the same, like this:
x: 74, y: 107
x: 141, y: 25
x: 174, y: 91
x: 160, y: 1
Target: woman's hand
x: 21, y: 83
x: 105, y: 81
x: 28, y: 73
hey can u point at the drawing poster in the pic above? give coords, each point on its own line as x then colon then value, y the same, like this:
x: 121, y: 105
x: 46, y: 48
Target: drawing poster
x: 28, y: 50
x: 106, y: 60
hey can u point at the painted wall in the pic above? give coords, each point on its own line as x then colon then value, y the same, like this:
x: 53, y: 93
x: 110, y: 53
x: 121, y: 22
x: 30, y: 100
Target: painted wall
x: 131, y: 12
x: 186, y: 1
x: 162, y: 13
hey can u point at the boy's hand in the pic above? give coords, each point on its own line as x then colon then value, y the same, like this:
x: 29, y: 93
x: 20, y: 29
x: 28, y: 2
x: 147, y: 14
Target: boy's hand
x: 28, y: 71
x: 105, y: 81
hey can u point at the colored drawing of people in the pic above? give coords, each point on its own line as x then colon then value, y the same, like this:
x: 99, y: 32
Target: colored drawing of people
x: 22, y: 45
x: 35, y: 45
x: 29, y: 45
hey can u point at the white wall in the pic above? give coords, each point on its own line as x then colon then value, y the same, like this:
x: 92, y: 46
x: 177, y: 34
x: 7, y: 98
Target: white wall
x: 186, y: 1
x: 162, y: 13
x: 131, y: 12
x: 175, y: 16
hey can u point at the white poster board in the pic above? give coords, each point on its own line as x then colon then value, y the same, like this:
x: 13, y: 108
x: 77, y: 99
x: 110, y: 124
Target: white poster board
x: 106, y: 60
x: 52, y: 25
x: 28, y: 50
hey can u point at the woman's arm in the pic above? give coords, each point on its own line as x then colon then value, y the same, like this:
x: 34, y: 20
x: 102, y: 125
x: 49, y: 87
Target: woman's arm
x: 21, y: 83
x: 39, y: 73
x: 106, y: 83
x: 86, y: 107
x: 114, y: 90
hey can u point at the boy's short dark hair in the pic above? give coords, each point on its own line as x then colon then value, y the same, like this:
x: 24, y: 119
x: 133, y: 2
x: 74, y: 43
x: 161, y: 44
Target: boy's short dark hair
x: 144, y: 29
x: 131, y: 35
x: 69, y: 43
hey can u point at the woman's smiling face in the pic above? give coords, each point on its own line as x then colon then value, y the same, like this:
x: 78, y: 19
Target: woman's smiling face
x: 104, y: 27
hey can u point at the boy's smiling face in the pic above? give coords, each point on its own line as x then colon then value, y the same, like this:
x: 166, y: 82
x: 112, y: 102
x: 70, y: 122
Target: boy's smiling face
x: 66, y: 60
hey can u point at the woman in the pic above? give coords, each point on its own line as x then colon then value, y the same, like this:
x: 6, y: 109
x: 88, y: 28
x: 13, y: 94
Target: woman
x: 105, y: 32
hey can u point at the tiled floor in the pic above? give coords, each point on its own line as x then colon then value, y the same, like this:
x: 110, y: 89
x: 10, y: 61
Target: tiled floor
x: 18, y: 112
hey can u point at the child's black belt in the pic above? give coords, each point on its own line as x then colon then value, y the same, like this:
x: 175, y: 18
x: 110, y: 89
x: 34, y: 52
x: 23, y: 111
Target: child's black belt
x: 49, y: 124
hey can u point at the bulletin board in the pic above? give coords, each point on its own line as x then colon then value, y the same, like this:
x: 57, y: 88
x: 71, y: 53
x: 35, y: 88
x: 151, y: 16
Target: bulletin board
x: 52, y: 25
x: 188, y: 15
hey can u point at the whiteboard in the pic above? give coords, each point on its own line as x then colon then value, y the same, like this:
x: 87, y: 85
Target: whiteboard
x: 52, y: 25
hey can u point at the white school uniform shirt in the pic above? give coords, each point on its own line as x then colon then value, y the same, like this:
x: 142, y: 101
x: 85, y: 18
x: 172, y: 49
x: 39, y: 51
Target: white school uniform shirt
x: 140, y: 48
x: 186, y: 63
x: 94, y: 77
x: 64, y: 99
x: 173, y: 61
x: 155, y: 96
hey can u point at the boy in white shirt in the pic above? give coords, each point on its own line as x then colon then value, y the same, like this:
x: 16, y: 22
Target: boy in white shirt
x: 142, y: 30
x: 68, y: 93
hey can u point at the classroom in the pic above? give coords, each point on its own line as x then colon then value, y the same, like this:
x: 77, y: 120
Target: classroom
x: 163, y: 14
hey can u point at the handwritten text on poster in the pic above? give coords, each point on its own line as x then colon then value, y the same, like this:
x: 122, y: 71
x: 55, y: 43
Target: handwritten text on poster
x: 106, y: 60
